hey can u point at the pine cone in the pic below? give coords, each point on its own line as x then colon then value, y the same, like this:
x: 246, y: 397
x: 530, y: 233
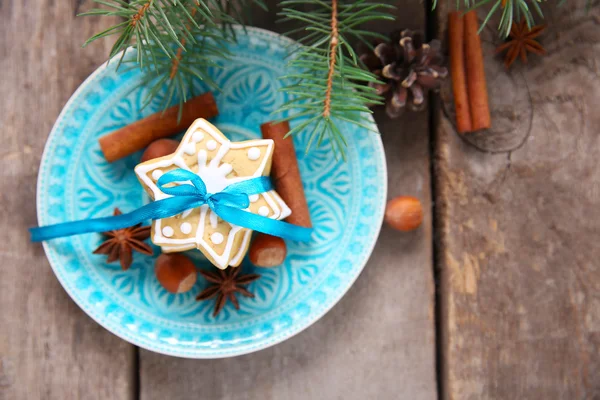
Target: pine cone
x: 408, y: 68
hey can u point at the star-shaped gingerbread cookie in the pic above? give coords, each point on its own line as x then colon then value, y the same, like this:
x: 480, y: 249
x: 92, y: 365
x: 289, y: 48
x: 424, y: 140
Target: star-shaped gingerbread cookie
x: 205, y: 151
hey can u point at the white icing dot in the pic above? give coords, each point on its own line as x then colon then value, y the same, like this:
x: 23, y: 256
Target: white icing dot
x: 186, y: 227
x: 156, y: 174
x: 253, y: 198
x: 254, y: 153
x: 198, y: 136
x: 211, y: 145
x: 190, y: 149
x: 167, y: 231
x: 216, y: 238
x: 264, y: 211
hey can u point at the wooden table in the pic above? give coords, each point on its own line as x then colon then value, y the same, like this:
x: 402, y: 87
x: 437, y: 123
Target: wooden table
x: 518, y: 262
x: 516, y: 270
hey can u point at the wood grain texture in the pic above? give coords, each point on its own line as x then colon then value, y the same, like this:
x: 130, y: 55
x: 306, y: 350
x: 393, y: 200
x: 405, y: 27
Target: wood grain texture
x: 520, y: 277
x: 49, y: 349
x: 378, y: 342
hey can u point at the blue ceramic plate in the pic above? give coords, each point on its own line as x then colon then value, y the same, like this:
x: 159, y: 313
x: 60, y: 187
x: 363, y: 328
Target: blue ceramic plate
x: 346, y: 201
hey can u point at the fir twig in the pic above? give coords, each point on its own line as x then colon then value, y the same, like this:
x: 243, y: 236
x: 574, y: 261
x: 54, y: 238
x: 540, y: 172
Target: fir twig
x: 176, y: 41
x: 145, y: 21
x: 177, y: 59
x: 332, y: 59
x: 326, y: 85
x: 172, y: 79
x: 512, y: 11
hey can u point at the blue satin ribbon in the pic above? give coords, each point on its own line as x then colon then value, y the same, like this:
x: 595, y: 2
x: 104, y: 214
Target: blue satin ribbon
x: 189, y: 193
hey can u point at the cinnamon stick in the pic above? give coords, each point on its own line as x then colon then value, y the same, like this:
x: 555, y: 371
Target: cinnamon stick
x: 456, y: 27
x: 476, y: 84
x: 136, y: 136
x: 286, y: 174
x: 266, y: 250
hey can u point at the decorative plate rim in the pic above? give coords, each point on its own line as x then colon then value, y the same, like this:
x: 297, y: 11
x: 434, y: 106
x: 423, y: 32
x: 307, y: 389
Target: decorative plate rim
x: 279, y: 337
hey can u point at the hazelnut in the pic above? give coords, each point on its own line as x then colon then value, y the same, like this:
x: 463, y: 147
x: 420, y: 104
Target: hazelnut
x: 175, y: 272
x: 267, y: 251
x: 404, y: 213
x: 159, y: 148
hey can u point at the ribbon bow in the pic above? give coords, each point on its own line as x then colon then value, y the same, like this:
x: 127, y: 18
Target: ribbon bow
x: 190, y: 192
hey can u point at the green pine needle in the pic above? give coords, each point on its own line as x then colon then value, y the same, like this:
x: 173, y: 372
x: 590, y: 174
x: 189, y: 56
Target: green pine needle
x: 175, y: 41
x: 512, y: 12
x: 328, y: 85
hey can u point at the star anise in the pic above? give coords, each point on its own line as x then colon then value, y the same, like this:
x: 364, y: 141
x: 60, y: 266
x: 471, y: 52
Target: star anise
x: 522, y: 41
x: 120, y: 243
x: 227, y: 283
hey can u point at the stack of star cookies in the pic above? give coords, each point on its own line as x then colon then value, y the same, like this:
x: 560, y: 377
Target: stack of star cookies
x: 205, y: 151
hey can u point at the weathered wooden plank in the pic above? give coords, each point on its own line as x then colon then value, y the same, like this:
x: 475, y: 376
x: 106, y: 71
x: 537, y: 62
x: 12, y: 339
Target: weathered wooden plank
x: 518, y: 257
x: 49, y: 349
x: 378, y: 342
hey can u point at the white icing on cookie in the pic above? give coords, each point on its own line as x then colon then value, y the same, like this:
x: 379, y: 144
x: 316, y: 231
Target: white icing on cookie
x: 198, y: 136
x: 190, y: 149
x: 186, y: 228
x: 226, y: 169
x: 278, y: 208
x: 156, y: 174
x: 202, y: 157
x: 264, y: 211
x: 237, y: 259
x: 211, y: 145
x: 214, y: 175
x: 253, y: 198
x: 168, y: 231
x: 216, y: 238
x: 213, y: 219
x: 254, y: 153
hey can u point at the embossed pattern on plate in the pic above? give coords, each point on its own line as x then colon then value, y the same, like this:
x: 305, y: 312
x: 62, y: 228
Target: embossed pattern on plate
x: 346, y: 201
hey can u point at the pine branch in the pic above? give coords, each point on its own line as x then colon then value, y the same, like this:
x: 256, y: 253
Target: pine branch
x: 174, y: 80
x: 512, y: 12
x: 145, y: 21
x: 177, y: 59
x: 332, y: 59
x: 328, y: 85
x: 175, y: 41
